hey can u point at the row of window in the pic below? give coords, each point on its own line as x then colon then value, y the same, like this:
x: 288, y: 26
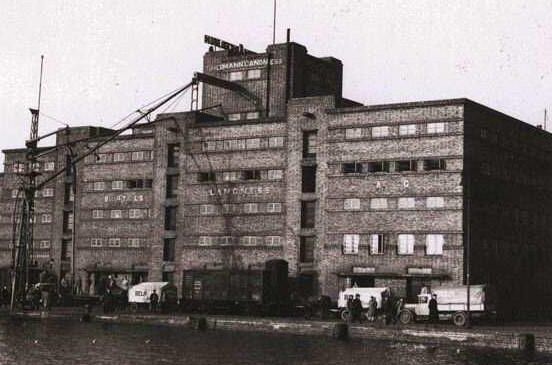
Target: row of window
x: 243, y: 116
x: 120, y: 213
x: 393, y: 166
x: 244, y: 240
x: 120, y: 184
x: 19, y: 167
x: 45, y: 193
x: 405, y: 244
x: 245, y: 75
x: 243, y: 175
x: 248, y: 208
x: 403, y: 130
x: 117, y: 242
x: 243, y: 144
x: 120, y: 157
x: 402, y: 203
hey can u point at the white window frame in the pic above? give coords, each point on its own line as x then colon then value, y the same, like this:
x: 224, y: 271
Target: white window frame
x: 434, y: 244
x: 98, y: 186
x: 378, y: 203
x: 405, y: 244
x: 14, y: 193
x: 234, y: 116
x: 407, y: 129
x: 46, y: 218
x: 207, y: 209
x: 135, y: 213
x: 276, y: 141
x: 273, y: 240
x: 236, y: 75
x: 96, y: 242
x: 353, y: 133
x: 252, y: 115
x: 114, y: 242
x: 97, y: 213
x: 406, y: 203
x: 138, y: 156
x: 377, y: 244
x: 275, y: 174
x: 434, y: 128
x: 205, y: 240
x: 252, y: 143
x: 350, y: 244
x: 116, y: 214
x: 44, y: 244
x: 119, y: 157
x: 49, y: 166
x: 48, y: 192
x: 251, y: 208
x: 117, y: 185
x: 273, y: 207
x: 134, y: 242
x: 380, y: 131
x: 253, y: 74
x: 351, y: 204
x: 435, y: 202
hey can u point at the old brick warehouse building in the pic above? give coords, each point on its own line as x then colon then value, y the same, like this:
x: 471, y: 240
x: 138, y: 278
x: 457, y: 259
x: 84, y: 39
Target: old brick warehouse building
x: 283, y: 167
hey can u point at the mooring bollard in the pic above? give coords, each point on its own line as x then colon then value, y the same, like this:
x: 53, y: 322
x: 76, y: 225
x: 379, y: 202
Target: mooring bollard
x: 341, y: 331
x: 526, y: 342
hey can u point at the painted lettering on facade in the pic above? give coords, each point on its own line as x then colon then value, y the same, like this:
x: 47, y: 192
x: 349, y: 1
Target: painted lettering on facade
x: 250, y: 190
x: 124, y: 198
x: 257, y: 62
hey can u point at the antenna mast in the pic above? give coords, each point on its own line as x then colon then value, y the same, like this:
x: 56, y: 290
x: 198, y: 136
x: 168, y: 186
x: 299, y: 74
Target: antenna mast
x: 274, y: 24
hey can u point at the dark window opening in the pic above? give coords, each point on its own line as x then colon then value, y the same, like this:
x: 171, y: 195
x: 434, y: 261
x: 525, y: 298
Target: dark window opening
x: 67, y: 221
x: 251, y: 175
x: 139, y: 183
x: 172, y: 186
x: 68, y: 196
x: 306, y: 249
x: 377, y: 166
x: 173, y: 152
x: 309, y: 144
x: 65, y: 246
x: 206, y: 176
x: 406, y: 165
x: 68, y: 165
x: 170, y: 218
x: 168, y: 276
x: 308, y: 214
x: 308, y: 183
x: 434, y: 165
x: 169, y: 249
x: 351, y: 168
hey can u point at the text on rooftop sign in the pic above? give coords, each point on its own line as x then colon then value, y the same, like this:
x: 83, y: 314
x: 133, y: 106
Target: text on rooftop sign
x: 257, y: 62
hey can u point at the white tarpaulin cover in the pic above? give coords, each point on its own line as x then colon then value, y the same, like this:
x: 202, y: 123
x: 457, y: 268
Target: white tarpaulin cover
x: 140, y: 293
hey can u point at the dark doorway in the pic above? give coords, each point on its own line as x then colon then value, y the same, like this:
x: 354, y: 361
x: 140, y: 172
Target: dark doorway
x: 362, y: 281
x: 413, y: 287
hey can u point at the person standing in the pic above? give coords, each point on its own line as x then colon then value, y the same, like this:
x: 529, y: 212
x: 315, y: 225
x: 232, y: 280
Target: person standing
x: 372, y: 308
x: 399, y: 305
x: 154, y: 300
x: 433, y: 311
x: 357, y: 309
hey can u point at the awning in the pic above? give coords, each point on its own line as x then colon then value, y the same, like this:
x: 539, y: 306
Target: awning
x: 115, y: 269
x: 393, y: 275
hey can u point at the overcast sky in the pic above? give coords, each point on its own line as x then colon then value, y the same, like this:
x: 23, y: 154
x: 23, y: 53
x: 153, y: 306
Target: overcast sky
x: 105, y: 58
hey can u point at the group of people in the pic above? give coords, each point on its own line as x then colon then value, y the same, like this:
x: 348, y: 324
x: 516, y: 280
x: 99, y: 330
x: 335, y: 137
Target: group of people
x: 390, y: 309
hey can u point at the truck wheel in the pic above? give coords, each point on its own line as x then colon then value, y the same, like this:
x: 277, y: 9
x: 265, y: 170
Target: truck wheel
x: 345, y: 315
x: 460, y: 319
x: 406, y: 317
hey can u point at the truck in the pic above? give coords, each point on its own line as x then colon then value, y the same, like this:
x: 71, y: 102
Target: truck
x: 365, y: 294
x: 452, y: 304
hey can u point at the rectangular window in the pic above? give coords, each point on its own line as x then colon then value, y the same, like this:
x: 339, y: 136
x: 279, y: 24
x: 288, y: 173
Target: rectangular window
x: 206, y: 176
x: 405, y: 165
x: 49, y: 166
x: 251, y: 175
x: 435, y: 202
x: 48, y: 192
x: 405, y: 244
x: 173, y: 154
x: 350, y: 244
x: 376, y: 244
x: 46, y: 218
x: 377, y: 166
x: 275, y: 141
x: 435, y: 127
x: 352, y: 133
x: 97, y: 214
x: 116, y: 214
x: 231, y: 175
x: 252, y: 115
x: 136, y: 213
x: 234, y: 116
x: 254, y: 74
x: 102, y: 157
x: 65, y: 248
x: 206, y: 209
x: 378, y: 203
x: 406, y: 203
x: 98, y: 186
x: 138, y: 156
x: 208, y: 146
x: 18, y: 167
x: 306, y: 249
x: 119, y: 157
x: 407, y: 129
x: 308, y: 182
x: 250, y: 208
x: 382, y: 131
x: 308, y: 214
x: 273, y: 207
x: 351, y: 168
x: 225, y: 240
x: 205, y: 240
x: 114, y: 242
x: 351, y: 204
x: 172, y: 186
x: 170, y: 218
x: 275, y: 174
x: 236, y: 75
x: 252, y: 143
x: 249, y: 240
x: 96, y: 242
x: 169, y: 248
x: 273, y: 240
x: 434, y: 244
x: 309, y: 144
x: 430, y: 165
x: 14, y: 193
x: 44, y: 244
x: 134, y: 242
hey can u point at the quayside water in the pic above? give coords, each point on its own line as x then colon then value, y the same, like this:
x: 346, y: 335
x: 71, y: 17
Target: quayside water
x: 70, y: 342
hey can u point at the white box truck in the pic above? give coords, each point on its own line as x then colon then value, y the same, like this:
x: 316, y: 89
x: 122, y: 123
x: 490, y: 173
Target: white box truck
x: 365, y: 294
x: 452, y: 303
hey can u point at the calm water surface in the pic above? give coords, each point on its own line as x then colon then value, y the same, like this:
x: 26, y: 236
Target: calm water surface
x: 66, y: 342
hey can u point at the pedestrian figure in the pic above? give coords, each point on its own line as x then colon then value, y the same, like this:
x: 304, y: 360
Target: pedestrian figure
x: 372, y: 308
x: 5, y: 295
x: 433, y: 311
x: 399, y: 305
x: 357, y: 309
x: 350, y: 307
x: 154, y: 300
